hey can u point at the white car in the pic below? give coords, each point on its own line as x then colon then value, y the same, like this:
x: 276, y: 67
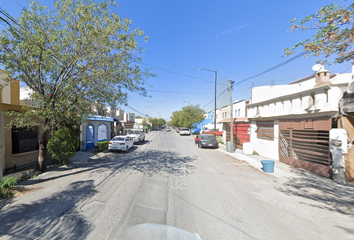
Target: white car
x: 138, y: 135
x: 123, y: 143
x: 184, y: 131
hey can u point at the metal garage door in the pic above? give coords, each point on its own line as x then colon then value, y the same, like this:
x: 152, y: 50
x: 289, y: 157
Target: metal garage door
x: 305, y: 144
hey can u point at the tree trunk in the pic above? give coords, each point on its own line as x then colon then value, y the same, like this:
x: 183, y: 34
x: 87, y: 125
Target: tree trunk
x: 42, y: 141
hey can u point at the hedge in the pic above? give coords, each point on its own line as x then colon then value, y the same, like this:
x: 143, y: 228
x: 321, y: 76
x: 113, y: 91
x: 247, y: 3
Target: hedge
x: 101, y: 146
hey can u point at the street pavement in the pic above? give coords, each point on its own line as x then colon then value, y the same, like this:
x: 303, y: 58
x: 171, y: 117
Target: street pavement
x: 167, y: 180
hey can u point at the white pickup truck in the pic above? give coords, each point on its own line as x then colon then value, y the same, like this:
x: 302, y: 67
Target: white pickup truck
x: 137, y: 134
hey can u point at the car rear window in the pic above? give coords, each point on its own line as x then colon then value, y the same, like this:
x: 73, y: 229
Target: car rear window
x: 118, y: 139
x: 184, y: 129
x: 208, y: 137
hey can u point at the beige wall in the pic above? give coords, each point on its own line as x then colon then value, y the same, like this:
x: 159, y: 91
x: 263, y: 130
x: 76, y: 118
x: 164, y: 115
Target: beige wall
x: 348, y: 124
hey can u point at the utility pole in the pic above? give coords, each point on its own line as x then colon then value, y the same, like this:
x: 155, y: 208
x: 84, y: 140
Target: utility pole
x: 231, y: 117
x: 187, y: 103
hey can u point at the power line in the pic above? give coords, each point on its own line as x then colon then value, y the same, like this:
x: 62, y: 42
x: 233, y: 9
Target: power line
x: 19, y: 4
x: 167, y: 61
x: 178, y: 73
x: 262, y: 73
x: 175, y: 92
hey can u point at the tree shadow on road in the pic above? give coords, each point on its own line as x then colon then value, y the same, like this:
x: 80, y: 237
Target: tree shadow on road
x: 38, y: 219
x: 148, y: 162
x: 152, y: 162
x: 326, y: 193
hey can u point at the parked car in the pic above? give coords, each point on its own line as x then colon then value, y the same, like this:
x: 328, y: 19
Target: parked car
x: 137, y: 134
x: 208, y: 140
x: 168, y: 130
x: 184, y: 131
x: 212, y: 132
x: 177, y: 129
x: 123, y: 143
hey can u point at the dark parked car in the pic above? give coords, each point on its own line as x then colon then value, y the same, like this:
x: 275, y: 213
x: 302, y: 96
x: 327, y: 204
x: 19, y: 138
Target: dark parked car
x: 208, y: 140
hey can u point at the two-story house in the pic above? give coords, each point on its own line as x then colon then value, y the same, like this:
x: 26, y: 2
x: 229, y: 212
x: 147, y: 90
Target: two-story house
x: 291, y: 123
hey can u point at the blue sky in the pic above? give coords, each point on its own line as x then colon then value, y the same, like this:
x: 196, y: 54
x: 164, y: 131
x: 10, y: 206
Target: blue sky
x: 237, y: 38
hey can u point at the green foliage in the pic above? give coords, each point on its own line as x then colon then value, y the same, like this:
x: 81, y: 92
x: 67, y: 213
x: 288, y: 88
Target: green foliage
x: 24, y: 176
x: 188, y: 117
x: 63, y: 145
x: 101, y: 146
x: 78, y: 53
x: 6, y: 184
x: 138, y: 117
x: 334, y: 36
x: 157, y: 122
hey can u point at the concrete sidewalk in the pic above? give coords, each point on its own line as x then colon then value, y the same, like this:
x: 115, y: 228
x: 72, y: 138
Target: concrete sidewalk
x: 281, y: 170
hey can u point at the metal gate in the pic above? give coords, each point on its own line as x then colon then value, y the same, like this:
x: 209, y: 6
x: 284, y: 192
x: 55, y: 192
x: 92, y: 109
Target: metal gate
x: 305, y: 144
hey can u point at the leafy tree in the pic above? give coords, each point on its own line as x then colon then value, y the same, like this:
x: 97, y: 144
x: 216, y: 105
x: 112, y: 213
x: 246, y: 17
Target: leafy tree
x: 188, y: 117
x: 138, y: 117
x: 334, y: 33
x: 78, y: 53
x: 63, y: 145
x: 157, y: 122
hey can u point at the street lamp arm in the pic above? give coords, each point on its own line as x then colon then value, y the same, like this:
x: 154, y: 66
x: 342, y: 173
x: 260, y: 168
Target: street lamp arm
x: 207, y: 69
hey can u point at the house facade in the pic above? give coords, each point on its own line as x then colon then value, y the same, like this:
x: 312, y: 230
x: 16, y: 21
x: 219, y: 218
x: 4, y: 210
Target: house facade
x: 291, y: 123
x: 19, y: 146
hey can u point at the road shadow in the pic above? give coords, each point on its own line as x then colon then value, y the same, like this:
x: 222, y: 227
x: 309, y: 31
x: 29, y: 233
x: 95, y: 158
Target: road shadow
x: 38, y: 219
x: 148, y: 162
x: 151, y: 162
x: 326, y: 193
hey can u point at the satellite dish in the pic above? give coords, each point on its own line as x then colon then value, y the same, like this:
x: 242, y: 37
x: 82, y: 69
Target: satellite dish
x: 351, y: 87
x: 317, y: 67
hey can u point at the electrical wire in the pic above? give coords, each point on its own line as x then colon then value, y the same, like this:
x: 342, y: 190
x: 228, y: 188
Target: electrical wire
x: 262, y: 73
x: 175, y: 92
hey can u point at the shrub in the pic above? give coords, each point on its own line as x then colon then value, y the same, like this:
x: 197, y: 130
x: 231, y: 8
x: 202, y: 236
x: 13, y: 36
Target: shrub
x: 63, y: 145
x: 102, y: 146
x: 6, y: 184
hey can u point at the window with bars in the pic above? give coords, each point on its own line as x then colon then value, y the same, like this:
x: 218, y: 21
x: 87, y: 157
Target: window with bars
x: 265, y: 130
x: 24, y: 139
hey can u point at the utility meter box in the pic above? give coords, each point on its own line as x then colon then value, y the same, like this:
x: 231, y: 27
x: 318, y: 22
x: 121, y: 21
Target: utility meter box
x: 339, y: 139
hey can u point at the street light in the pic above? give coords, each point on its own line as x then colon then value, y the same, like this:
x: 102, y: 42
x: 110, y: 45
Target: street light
x: 215, y: 97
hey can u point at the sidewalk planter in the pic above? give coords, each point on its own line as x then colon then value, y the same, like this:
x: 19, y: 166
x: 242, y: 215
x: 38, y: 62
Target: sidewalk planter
x: 268, y: 166
x: 228, y: 146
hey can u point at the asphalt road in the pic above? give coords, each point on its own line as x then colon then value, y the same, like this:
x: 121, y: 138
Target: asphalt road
x: 167, y: 180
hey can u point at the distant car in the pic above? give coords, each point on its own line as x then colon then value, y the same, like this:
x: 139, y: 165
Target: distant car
x: 177, y: 129
x: 184, y: 131
x: 123, y: 143
x: 168, y: 130
x: 208, y: 140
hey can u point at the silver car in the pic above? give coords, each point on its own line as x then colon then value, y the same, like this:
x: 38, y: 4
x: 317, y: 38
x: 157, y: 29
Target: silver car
x: 184, y: 131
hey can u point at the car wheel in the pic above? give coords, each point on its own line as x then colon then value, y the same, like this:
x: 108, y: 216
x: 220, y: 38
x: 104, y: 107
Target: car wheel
x: 127, y: 149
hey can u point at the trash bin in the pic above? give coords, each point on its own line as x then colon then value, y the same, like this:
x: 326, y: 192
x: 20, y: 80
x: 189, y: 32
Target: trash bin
x: 228, y: 146
x: 268, y: 166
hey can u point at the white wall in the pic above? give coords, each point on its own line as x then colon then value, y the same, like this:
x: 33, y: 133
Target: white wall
x: 269, y: 149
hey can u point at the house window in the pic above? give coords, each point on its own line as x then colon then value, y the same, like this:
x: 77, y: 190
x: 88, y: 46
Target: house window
x: 326, y: 93
x: 24, y: 139
x: 239, y: 112
x: 312, y: 99
x: 265, y: 130
x: 300, y: 98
